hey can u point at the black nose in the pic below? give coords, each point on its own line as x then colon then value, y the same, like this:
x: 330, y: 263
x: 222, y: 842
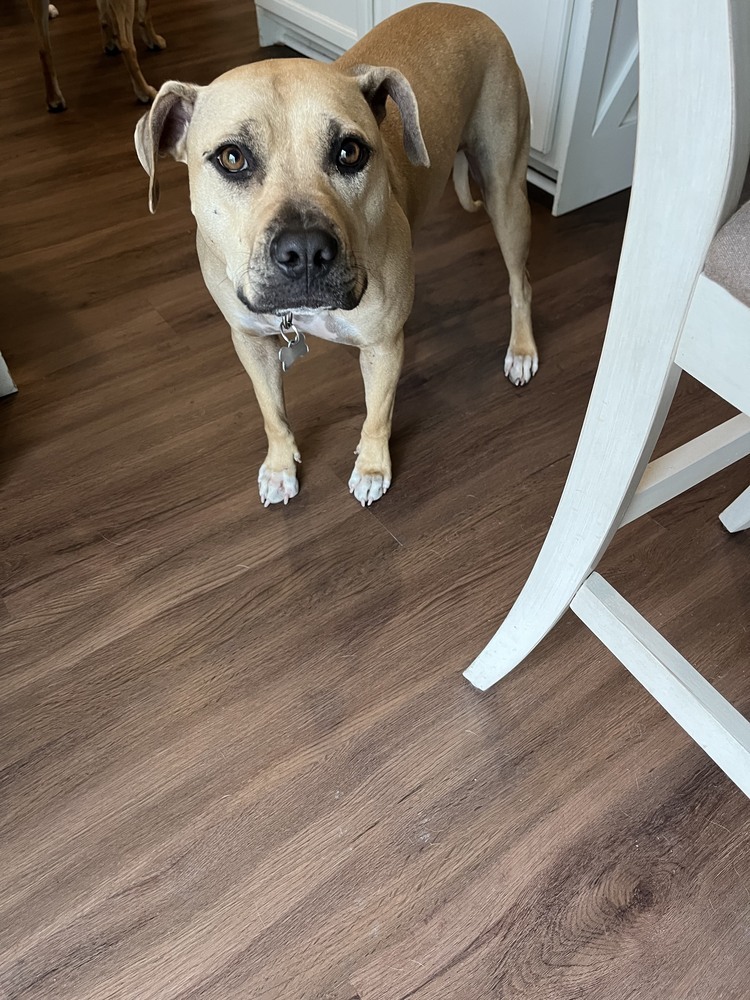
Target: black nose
x: 297, y: 252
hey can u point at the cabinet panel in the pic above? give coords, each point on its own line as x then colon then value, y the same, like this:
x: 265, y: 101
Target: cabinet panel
x: 336, y: 24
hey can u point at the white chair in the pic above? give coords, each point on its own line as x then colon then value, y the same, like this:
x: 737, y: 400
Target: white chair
x: 681, y: 301
x: 7, y: 385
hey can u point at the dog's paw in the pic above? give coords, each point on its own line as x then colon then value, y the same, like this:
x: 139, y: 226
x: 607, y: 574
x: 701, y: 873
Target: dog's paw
x: 146, y: 96
x: 367, y: 488
x: 277, y: 487
x: 157, y: 43
x: 521, y: 367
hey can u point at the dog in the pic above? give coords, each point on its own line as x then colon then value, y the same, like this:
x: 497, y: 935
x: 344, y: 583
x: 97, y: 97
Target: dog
x: 116, y: 18
x: 307, y: 181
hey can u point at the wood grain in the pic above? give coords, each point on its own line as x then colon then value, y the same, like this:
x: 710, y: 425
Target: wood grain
x: 237, y: 757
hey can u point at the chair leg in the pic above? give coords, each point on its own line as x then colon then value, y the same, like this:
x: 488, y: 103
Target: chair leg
x: 736, y: 517
x: 709, y: 719
x: 637, y: 377
x: 691, y: 463
x: 609, y: 462
x: 7, y: 385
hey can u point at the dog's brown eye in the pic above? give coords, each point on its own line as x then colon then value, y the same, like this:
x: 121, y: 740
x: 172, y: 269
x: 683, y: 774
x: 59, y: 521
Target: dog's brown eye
x: 232, y: 159
x: 352, y: 155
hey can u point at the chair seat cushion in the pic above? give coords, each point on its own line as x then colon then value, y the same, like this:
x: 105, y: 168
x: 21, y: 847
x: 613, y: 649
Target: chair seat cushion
x: 728, y: 261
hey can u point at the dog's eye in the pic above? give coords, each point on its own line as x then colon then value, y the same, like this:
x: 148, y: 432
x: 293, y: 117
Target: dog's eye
x: 352, y: 155
x: 232, y: 159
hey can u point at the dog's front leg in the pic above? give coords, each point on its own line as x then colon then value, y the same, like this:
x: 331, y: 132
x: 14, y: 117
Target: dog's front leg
x: 381, y: 367
x: 277, y: 479
x: 40, y: 12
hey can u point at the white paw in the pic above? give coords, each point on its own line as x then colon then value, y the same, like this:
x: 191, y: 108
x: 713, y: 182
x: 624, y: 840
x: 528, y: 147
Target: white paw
x: 53, y: 11
x: 276, y: 487
x: 520, y: 367
x: 368, y: 489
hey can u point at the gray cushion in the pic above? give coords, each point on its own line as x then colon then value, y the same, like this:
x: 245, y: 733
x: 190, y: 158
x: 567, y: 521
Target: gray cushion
x: 728, y: 261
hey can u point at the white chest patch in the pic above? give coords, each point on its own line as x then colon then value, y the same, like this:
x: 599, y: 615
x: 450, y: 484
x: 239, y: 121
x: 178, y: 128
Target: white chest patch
x: 325, y: 325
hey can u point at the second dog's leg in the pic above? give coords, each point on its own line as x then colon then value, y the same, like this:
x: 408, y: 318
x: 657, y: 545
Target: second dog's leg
x: 148, y: 31
x: 381, y: 367
x: 121, y: 14
x: 277, y: 479
x: 40, y: 12
x: 109, y: 35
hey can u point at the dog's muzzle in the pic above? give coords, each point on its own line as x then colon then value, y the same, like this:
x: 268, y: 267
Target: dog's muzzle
x: 303, y: 266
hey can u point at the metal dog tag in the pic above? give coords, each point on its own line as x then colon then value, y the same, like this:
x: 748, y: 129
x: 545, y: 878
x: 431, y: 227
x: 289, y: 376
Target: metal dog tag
x: 295, y: 346
x: 290, y: 352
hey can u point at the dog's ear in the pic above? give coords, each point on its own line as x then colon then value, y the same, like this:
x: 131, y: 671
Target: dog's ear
x: 163, y: 130
x: 378, y: 83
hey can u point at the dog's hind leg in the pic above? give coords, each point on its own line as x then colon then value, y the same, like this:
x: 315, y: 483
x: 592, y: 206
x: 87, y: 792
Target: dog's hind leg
x: 148, y: 31
x: 40, y: 12
x: 511, y: 221
x: 120, y: 15
x: 498, y: 148
x: 109, y: 33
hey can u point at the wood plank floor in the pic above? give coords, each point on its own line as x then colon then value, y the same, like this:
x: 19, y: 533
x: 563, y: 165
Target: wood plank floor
x: 237, y: 755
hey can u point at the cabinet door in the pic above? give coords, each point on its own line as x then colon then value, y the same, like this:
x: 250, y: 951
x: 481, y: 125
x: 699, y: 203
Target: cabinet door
x: 597, y: 146
x: 538, y: 32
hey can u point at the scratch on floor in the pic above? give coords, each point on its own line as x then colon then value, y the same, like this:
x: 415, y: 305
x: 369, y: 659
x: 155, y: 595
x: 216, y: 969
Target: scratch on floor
x: 720, y: 825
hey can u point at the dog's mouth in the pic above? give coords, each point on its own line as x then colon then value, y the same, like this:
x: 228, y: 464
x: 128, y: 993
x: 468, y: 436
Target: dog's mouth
x: 277, y: 297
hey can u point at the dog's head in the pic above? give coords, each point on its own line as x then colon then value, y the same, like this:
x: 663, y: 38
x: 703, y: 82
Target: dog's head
x: 288, y: 173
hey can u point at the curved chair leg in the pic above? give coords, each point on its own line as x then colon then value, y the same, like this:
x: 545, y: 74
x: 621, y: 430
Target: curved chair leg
x: 7, y: 385
x: 660, y: 262
x: 609, y: 462
x: 736, y: 517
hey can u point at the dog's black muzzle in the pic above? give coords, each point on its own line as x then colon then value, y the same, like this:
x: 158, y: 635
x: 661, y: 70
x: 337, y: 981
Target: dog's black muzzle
x: 304, y: 266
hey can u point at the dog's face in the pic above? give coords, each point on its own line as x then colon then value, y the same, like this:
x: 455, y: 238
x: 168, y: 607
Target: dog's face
x: 288, y: 174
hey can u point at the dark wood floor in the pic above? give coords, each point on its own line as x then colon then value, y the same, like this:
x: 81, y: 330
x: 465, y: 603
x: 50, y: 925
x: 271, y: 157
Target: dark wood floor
x: 237, y: 755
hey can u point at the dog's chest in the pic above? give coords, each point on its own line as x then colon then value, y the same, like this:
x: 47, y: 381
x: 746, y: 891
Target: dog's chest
x: 325, y: 326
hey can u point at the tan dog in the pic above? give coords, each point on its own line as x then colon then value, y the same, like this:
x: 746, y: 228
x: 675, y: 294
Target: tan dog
x: 306, y: 181
x: 116, y: 18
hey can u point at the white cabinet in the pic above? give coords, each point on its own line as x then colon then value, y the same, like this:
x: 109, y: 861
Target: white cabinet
x: 579, y: 59
x: 322, y: 29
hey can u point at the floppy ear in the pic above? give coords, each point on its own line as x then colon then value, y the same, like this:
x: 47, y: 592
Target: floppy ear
x: 377, y: 83
x: 163, y: 129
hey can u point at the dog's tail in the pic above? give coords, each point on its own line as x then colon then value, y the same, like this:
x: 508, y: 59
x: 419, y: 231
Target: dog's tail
x: 461, y: 183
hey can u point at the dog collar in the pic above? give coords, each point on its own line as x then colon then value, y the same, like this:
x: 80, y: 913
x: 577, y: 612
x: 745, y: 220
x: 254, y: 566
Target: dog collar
x: 294, y: 342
